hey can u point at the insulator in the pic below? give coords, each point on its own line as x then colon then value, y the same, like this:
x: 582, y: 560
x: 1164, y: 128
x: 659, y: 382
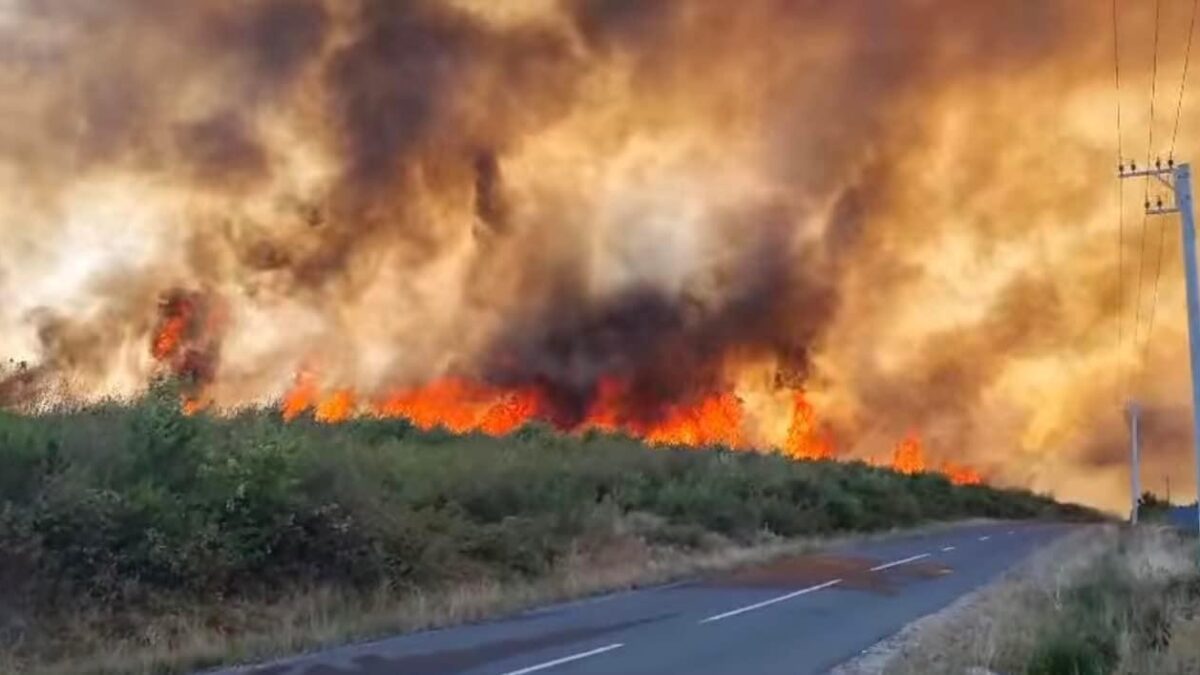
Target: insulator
x: 1133, y: 166
x: 1147, y: 203
x: 1158, y: 163
x: 1171, y: 163
x: 1160, y: 202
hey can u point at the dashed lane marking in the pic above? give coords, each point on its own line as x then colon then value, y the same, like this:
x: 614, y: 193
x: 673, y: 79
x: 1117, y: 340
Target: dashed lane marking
x: 896, y: 563
x: 566, y: 659
x: 772, y: 601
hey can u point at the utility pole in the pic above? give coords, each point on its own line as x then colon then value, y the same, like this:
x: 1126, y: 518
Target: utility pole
x: 1178, y: 178
x: 1135, y: 464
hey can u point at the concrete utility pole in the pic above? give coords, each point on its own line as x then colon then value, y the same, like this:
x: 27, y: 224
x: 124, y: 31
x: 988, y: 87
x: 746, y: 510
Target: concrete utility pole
x: 1178, y: 178
x: 1135, y: 464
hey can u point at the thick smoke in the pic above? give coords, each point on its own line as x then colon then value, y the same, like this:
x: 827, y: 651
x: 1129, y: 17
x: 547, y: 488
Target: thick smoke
x: 906, y: 208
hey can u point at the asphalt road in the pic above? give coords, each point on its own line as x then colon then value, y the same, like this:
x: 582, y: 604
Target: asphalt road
x: 800, y: 615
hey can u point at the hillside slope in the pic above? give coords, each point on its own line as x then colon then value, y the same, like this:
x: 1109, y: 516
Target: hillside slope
x: 152, y: 537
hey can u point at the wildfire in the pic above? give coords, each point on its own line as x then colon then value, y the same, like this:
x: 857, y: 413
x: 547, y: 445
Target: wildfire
x: 194, y: 406
x: 961, y: 475
x: 176, y: 315
x: 908, y: 457
x: 338, y: 407
x: 302, y: 397
x: 713, y: 420
x: 170, y: 336
x: 462, y: 406
x: 806, y: 439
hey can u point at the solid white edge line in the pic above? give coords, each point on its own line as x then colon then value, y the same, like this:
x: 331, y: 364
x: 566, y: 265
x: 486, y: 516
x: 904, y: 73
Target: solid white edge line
x: 772, y: 601
x: 566, y: 659
x: 947, y: 549
x: 984, y: 538
x: 896, y: 563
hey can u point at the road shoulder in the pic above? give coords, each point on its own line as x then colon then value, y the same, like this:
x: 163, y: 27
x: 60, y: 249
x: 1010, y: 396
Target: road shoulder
x: 974, y: 630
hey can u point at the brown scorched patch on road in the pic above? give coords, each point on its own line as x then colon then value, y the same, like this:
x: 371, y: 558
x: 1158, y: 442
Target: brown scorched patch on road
x: 855, y: 573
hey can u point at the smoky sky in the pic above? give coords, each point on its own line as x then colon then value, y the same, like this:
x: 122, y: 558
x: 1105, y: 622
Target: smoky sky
x: 887, y: 201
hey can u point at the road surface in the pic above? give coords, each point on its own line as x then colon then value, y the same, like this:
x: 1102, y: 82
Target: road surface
x: 800, y: 615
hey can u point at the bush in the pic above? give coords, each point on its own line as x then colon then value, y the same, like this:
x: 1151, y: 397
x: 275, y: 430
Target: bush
x: 1074, y: 653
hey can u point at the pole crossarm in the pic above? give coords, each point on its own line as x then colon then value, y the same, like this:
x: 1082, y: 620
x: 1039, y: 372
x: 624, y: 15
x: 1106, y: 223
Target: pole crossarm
x: 1134, y: 172
x: 1162, y: 174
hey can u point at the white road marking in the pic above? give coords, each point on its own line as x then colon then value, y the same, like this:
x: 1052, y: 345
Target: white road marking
x: 566, y: 659
x: 984, y: 538
x: 896, y: 563
x: 772, y: 601
x: 947, y: 549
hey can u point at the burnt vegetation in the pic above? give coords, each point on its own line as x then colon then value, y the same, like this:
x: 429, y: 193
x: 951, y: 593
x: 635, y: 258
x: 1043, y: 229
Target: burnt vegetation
x: 123, y: 512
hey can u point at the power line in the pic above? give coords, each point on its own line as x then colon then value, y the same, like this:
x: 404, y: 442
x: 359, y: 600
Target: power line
x: 1137, y: 315
x: 1162, y: 236
x: 1120, y: 207
x: 1187, y: 54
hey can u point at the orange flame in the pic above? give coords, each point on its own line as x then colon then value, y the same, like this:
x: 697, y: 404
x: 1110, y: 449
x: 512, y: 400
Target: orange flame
x: 806, y: 439
x: 194, y: 406
x: 461, y: 405
x: 960, y: 475
x: 302, y: 396
x: 177, y: 315
x: 909, y: 455
x: 713, y: 420
x: 909, y: 458
x: 336, y: 408
x: 169, y: 337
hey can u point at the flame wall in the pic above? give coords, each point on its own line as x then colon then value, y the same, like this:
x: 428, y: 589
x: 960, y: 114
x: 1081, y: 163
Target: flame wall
x: 905, y: 209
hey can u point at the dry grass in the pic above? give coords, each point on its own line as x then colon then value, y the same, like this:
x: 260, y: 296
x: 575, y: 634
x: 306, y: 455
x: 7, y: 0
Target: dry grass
x: 993, y: 628
x: 1130, y: 598
x: 231, y: 632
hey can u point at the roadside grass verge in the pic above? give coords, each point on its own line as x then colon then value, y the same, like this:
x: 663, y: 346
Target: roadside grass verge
x: 134, y: 538
x: 1106, y: 600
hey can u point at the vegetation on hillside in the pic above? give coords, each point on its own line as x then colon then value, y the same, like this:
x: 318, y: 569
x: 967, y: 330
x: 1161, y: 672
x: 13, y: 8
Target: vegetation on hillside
x: 1152, y: 508
x: 115, y: 516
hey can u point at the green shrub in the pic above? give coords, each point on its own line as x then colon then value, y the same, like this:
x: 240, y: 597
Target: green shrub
x: 1074, y: 653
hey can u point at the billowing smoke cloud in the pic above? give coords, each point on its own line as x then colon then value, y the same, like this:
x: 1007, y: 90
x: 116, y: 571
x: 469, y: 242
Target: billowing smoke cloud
x: 905, y: 208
